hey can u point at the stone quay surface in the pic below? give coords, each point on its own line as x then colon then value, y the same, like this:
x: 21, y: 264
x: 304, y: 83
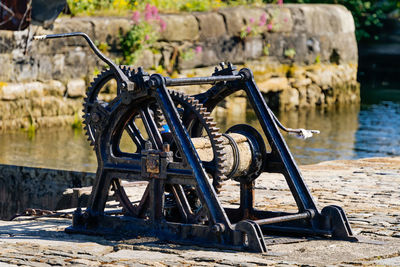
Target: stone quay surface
x: 368, y: 190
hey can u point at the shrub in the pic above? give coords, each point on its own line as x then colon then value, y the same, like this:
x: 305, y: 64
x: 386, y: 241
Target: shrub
x: 99, y: 7
x: 146, y: 27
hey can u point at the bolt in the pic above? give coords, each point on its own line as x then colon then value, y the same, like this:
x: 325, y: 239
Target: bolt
x: 152, y: 83
x: 218, y: 228
x: 126, y: 99
x: 311, y: 213
x: 166, y: 147
x: 156, y: 80
x: 222, y: 64
x: 123, y: 85
x: 148, y: 145
x: 246, y: 74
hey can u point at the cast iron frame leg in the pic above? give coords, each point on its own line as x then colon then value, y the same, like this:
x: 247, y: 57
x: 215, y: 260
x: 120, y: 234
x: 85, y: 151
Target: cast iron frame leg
x: 332, y: 218
x: 99, y: 195
x: 299, y: 190
x: 156, y: 198
x: 247, y: 199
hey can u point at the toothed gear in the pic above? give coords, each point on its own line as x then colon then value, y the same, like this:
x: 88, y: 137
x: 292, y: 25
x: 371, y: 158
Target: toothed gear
x: 91, y: 99
x: 193, y: 115
x: 192, y: 106
x: 159, y: 118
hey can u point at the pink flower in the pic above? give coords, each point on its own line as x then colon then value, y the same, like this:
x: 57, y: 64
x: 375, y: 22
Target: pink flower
x: 269, y: 26
x: 198, y: 49
x: 147, y: 8
x: 146, y: 37
x: 136, y: 17
x: 263, y: 20
x: 248, y: 29
x: 251, y: 20
x: 163, y: 25
x: 154, y: 11
x: 148, y: 15
x: 285, y: 20
x: 280, y: 2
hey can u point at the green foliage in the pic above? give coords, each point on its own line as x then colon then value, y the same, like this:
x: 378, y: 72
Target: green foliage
x: 368, y: 15
x: 135, y: 41
x: 198, y: 5
x: 290, y: 53
x: 121, y: 7
x: 318, y: 59
x: 77, y: 124
x: 186, y: 54
x: 31, y: 130
x: 100, y: 7
x: 96, y: 71
x: 145, y: 30
x: 195, y: 5
x: 102, y: 46
x: 159, y: 69
x: 256, y: 27
x: 266, y: 50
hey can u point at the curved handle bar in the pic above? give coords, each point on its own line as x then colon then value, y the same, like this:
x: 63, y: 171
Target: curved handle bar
x: 125, y: 81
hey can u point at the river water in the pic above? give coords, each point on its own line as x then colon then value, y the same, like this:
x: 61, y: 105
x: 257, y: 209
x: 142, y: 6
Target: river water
x: 371, y: 129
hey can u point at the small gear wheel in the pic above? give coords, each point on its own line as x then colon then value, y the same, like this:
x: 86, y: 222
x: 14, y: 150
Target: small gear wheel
x: 99, y: 84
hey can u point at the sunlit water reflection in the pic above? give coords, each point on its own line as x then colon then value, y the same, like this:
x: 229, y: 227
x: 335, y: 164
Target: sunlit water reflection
x: 347, y: 132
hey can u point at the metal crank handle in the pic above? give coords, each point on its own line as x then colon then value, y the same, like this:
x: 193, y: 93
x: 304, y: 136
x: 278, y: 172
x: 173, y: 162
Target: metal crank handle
x: 300, y: 133
x: 126, y: 84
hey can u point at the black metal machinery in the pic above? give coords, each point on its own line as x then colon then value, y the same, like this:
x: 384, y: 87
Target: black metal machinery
x: 180, y: 202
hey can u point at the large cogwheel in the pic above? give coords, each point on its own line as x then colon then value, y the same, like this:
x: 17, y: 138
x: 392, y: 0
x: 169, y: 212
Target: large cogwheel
x: 92, y: 97
x: 194, y: 116
x: 198, y: 123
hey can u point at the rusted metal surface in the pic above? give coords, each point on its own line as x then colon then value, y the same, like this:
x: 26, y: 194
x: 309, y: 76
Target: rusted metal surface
x: 153, y: 163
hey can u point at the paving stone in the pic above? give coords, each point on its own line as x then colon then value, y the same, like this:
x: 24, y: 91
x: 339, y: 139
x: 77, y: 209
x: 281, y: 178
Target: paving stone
x: 395, y: 261
x: 125, y: 254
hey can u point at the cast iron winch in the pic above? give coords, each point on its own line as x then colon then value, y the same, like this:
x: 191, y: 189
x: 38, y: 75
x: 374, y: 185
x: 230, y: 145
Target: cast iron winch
x: 177, y: 148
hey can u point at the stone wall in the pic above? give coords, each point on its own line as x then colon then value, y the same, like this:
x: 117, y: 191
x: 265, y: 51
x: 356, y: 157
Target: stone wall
x: 306, y: 58
x: 26, y: 187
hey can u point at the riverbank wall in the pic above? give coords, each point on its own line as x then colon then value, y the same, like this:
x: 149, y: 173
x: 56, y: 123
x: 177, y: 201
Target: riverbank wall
x: 40, y: 188
x: 302, y: 56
